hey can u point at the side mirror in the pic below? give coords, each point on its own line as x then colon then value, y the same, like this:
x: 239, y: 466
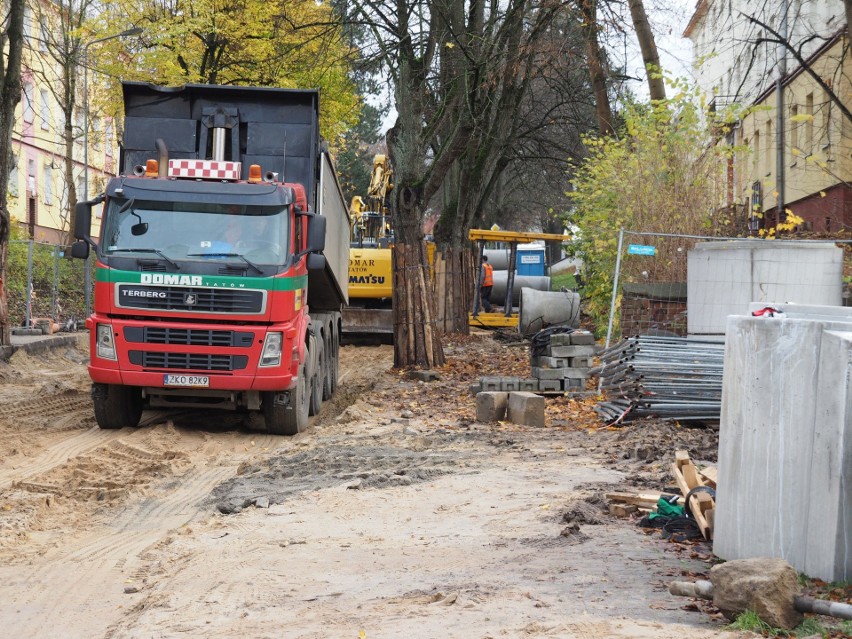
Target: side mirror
x: 316, y: 262
x: 316, y: 234
x: 80, y: 250
x: 82, y: 220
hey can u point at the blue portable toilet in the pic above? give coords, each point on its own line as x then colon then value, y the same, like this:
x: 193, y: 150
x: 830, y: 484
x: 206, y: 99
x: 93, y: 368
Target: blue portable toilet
x: 530, y: 259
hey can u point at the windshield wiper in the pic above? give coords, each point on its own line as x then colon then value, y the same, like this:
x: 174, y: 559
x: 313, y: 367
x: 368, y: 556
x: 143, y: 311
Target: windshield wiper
x: 171, y: 262
x: 239, y: 255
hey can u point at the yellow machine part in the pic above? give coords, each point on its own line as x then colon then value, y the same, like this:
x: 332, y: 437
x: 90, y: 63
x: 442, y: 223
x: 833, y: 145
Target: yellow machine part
x: 370, y: 273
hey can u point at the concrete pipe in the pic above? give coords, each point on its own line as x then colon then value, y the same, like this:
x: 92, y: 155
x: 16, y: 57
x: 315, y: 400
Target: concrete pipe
x: 498, y: 293
x: 540, y: 309
x: 498, y: 259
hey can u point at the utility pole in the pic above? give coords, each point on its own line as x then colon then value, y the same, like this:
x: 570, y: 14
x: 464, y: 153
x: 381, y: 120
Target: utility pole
x: 781, y: 211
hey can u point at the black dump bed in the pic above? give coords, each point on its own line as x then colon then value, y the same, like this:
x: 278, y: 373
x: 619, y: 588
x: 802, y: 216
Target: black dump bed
x: 275, y: 128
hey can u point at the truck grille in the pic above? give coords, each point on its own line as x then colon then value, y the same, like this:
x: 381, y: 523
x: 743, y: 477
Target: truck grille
x: 188, y: 361
x: 190, y: 336
x: 191, y: 299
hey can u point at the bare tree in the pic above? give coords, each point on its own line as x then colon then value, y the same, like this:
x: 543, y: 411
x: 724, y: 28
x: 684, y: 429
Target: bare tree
x: 57, y: 62
x: 650, y: 57
x: 11, y: 46
x: 595, y: 60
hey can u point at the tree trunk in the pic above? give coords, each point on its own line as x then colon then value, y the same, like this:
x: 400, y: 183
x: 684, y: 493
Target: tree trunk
x: 594, y: 59
x: 416, y: 338
x: 10, y: 94
x: 656, y: 85
x: 455, y: 278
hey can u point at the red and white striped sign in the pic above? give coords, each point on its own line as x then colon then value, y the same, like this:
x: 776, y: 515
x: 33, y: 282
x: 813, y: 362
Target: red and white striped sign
x: 205, y: 169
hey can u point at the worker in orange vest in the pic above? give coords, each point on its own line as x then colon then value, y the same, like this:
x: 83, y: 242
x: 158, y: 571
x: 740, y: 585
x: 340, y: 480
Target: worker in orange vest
x: 486, y: 283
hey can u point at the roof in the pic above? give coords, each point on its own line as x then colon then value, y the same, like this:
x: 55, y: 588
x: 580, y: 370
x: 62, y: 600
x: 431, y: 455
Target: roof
x: 700, y: 11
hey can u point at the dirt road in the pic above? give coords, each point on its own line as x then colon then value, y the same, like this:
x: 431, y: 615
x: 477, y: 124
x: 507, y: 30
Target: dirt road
x: 394, y: 515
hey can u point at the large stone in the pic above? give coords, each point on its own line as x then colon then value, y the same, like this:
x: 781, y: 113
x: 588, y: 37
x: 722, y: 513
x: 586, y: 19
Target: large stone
x: 491, y: 406
x: 763, y: 585
x: 526, y: 408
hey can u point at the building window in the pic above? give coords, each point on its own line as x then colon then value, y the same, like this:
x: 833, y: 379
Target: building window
x: 45, y: 37
x: 108, y: 135
x: 45, y: 109
x: 794, y: 130
x: 48, y: 184
x: 768, y: 143
x: 756, y: 150
x: 14, y: 176
x: 78, y: 124
x: 809, y: 123
x: 31, y: 176
x: 29, y: 110
x: 96, y: 133
x: 28, y: 24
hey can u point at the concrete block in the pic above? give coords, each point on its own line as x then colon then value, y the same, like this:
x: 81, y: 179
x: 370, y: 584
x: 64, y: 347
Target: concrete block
x: 547, y: 385
x: 548, y: 373
x: 425, y: 376
x: 785, y: 455
x: 577, y: 373
x: 475, y: 387
x: 572, y: 384
x: 560, y: 339
x: 490, y: 383
x: 829, y: 502
x: 572, y: 351
x: 528, y: 384
x: 581, y: 362
x: 582, y: 338
x: 510, y: 384
x: 526, y: 408
x: 553, y: 362
x: 491, y: 406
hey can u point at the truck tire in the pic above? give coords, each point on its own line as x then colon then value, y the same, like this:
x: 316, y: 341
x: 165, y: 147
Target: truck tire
x: 292, y: 418
x: 334, y: 360
x: 116, y: 406
x: 317, y: 357
x: 327, y: 369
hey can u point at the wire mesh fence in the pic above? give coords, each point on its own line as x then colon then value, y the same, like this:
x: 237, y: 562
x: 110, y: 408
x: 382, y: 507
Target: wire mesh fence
x: 678, y: 285
x: 42, y: 282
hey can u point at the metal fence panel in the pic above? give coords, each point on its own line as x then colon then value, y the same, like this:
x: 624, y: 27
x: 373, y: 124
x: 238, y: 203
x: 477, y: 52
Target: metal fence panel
x: 650, y: 291
x: 43, y: 282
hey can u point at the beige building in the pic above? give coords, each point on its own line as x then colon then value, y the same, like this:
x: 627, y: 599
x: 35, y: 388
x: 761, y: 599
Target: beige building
x: 38, y: 188
x: 815, y: 157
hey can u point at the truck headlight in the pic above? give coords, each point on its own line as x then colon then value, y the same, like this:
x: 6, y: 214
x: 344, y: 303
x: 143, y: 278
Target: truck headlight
x: 271, y: 355
x: 105, y: 342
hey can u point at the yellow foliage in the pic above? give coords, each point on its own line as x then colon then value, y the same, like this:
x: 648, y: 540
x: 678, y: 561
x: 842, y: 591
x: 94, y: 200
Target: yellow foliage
x: 274, y: 43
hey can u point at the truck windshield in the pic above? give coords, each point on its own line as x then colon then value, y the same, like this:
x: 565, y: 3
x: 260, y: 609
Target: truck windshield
x: 197, y: 231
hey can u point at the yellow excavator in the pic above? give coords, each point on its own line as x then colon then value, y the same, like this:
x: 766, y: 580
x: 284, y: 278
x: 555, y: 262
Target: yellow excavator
x: 369, y: 313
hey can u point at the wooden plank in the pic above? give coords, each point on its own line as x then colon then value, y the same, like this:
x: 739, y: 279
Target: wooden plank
x: 640, y: 499
x: 686, y: 476
x: 709, y: 476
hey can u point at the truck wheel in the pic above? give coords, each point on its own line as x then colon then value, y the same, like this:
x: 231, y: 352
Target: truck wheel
x: 116, y: 406
x: 292, y: 418
x: 327, y: 370
x: 317, y: 357
x: 334, y: 360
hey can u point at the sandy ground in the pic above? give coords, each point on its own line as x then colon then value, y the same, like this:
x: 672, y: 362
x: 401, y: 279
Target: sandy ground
x: 395, y: 515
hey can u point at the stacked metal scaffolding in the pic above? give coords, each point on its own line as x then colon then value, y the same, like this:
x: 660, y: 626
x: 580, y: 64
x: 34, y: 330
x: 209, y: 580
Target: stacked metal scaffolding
x: 667, y: 377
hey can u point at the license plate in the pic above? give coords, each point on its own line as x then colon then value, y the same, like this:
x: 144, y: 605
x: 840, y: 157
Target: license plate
x: 193, y: 381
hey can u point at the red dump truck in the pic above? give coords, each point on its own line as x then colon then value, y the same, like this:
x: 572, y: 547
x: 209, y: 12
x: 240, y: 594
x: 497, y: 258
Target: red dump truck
x: 222, y: 259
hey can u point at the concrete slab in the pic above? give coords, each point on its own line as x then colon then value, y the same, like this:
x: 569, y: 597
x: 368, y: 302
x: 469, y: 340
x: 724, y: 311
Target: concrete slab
x: 767, y: 493
x: 42, y: 343
x: 830, y: 498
